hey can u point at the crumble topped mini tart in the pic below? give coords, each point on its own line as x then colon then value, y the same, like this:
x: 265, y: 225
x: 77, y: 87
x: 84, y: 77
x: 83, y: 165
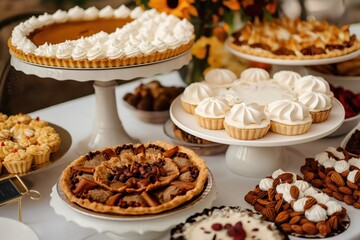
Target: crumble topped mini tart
x: 100, y: 38
x: 297, y: 207
x: 336, y: 172
x: 135, y: 179
x: 285, y: 38
x: 227, y: 223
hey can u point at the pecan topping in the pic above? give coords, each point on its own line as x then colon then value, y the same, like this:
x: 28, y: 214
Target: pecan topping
x: 284, y: 51
x: 312, y: 50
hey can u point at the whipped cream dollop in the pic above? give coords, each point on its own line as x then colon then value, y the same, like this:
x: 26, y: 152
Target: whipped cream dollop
x: 154, y: 31
x: 315, y: 101
x: 247, y: 116
x: 289, y: 112
x: 196, y: 92
x: 213, y: 107
x: 220, y: 77
x: 351, y: 176
x: 312, y: 83
x: 253, y: 75
x: 286, y: 78
x: 316, y: 213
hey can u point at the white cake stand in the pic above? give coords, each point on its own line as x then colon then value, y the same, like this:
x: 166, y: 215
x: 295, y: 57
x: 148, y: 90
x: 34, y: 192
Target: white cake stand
x: 256, y: 158
x: 107, y: 129
x: 118, y: 227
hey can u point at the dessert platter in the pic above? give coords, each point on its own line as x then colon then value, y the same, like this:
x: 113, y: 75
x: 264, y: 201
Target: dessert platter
x: 148, y: 185
x: 293, y: 42
x: 29, y: 145
x: 204, y: 110
x: 138, y: 44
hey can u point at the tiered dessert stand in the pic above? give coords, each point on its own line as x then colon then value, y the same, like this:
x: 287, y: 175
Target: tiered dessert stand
x: 259, y: 158
x: 107, y: 129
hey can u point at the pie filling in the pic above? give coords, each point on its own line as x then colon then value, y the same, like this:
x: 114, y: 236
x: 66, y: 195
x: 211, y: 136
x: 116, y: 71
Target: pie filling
x: 135, y: 179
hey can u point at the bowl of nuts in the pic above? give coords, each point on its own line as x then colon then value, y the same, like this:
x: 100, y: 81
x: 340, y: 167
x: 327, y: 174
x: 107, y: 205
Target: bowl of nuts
x: 150, y: 102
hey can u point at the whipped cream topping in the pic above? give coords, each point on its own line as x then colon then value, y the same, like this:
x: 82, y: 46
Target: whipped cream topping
x: 316, y: 213
x: 220, y: 77
x: 247, y: 116
x: 213, y: 107
x: 354, y: 162
x: 289, y: 112
x: 196, y: 92
x: 286, y: 78
x: 315, y: 101
x: 230, y: 95
x: 351, y: 176
x: 152, y: 30
x: 312, y: 83
x: 254, y: 75
x: 200, y: 226
x: 341, y: 166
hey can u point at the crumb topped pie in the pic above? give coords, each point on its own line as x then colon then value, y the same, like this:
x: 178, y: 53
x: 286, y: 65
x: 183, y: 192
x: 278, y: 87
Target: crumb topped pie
x: 93, y: 38
x: 135, y: 179
x: 286, y: 38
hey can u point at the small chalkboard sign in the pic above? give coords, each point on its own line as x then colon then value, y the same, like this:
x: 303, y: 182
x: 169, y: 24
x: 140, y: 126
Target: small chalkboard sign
x: 11, y: 189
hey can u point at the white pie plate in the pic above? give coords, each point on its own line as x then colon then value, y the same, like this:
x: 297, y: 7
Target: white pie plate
x: 11, y: 229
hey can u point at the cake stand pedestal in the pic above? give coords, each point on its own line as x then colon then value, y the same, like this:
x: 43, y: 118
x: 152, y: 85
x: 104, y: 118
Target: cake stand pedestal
x: 256, y: 158
x: 107, y: 128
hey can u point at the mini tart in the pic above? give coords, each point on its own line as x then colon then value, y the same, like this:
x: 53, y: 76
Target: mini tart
x: 210, y: 113
x: 53, y: 140
x: 194, y: 94
x: 41, y: 153
x: 210, y: 224
x: 178, y: 176
x: 319, y: 105
x: 299, y: 40
x: 18, y: 162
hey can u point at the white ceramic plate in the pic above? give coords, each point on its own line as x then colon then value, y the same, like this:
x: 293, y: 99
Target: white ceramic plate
x: 187, y: 122
x: 11, y: 229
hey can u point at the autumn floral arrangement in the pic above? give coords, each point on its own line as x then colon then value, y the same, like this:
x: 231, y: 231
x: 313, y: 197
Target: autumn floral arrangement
x: 213, y: 20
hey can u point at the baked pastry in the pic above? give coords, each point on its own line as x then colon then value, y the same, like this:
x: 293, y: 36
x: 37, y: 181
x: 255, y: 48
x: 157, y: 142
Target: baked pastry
x: 253, y: 75
x: 18, y: 161
x: 298, y: 208
x: 23, y: 137
x: 220, y: 77
x: 134, y: 179
x: 312, y: 83
x: 210, y: 113
x: 194, y: 94
x: 227, y: 223
x: 319, y: 105
x: 247, y: 121
x: 286, y: 38
x: 153, y: 96
x: 102, y: 38
x: 286, y: 78
x: 289, y: 117
x: 336, y: 172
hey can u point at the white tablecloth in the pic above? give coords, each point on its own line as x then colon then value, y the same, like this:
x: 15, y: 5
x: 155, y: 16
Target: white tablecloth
x: 77, y: 117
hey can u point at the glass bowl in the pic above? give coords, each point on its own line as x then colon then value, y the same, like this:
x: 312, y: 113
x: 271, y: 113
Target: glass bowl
x: 156, y: 117
x: 206, y: 149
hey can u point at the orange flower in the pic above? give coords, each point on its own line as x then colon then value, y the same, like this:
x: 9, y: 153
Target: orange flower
x: 232, y: 4
x: 179, y: 8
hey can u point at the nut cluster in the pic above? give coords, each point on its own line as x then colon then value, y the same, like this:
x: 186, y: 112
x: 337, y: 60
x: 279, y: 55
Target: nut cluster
x: 333, y: 183
x: 272, y: 205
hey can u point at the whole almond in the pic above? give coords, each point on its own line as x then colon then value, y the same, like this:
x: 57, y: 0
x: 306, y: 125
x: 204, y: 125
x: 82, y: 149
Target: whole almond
x: 258, y: 207
x: 318, y: 183
x: 333, y: 222
x: 309, y: 203
x: 286, y: 206
x: 328, y: 191
x: 344, y: 174
x: 286, y: 227
x: 345, y: 190
x: 349, y: 199
x: 308, y: 176
x: 357, y: 177
x: 262, y: 201
x: 276, y: 182
x: 294, y: 214
x: 352, y: 185
x: 321, y: 174
x: 337, y: 179
x: 323, y: 206
x: 328, y: 180
x: 333, y: 187
x: 278, y: 205
x: 278, y: 196
x: 286, y: 177
x: 269, y: 213
x: 297, y: 228
x: 339, y: 196
x: 303, y: 221
x: 324, y: 228
x: 251, y: 199
x: 262, y: 194
x: 295, y: 220
x: 310, y: 228
x: 356, y: 205
x: 271, y: 194
x: 294, y: 192
x: 282, y: 217
x: 356, y: 194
